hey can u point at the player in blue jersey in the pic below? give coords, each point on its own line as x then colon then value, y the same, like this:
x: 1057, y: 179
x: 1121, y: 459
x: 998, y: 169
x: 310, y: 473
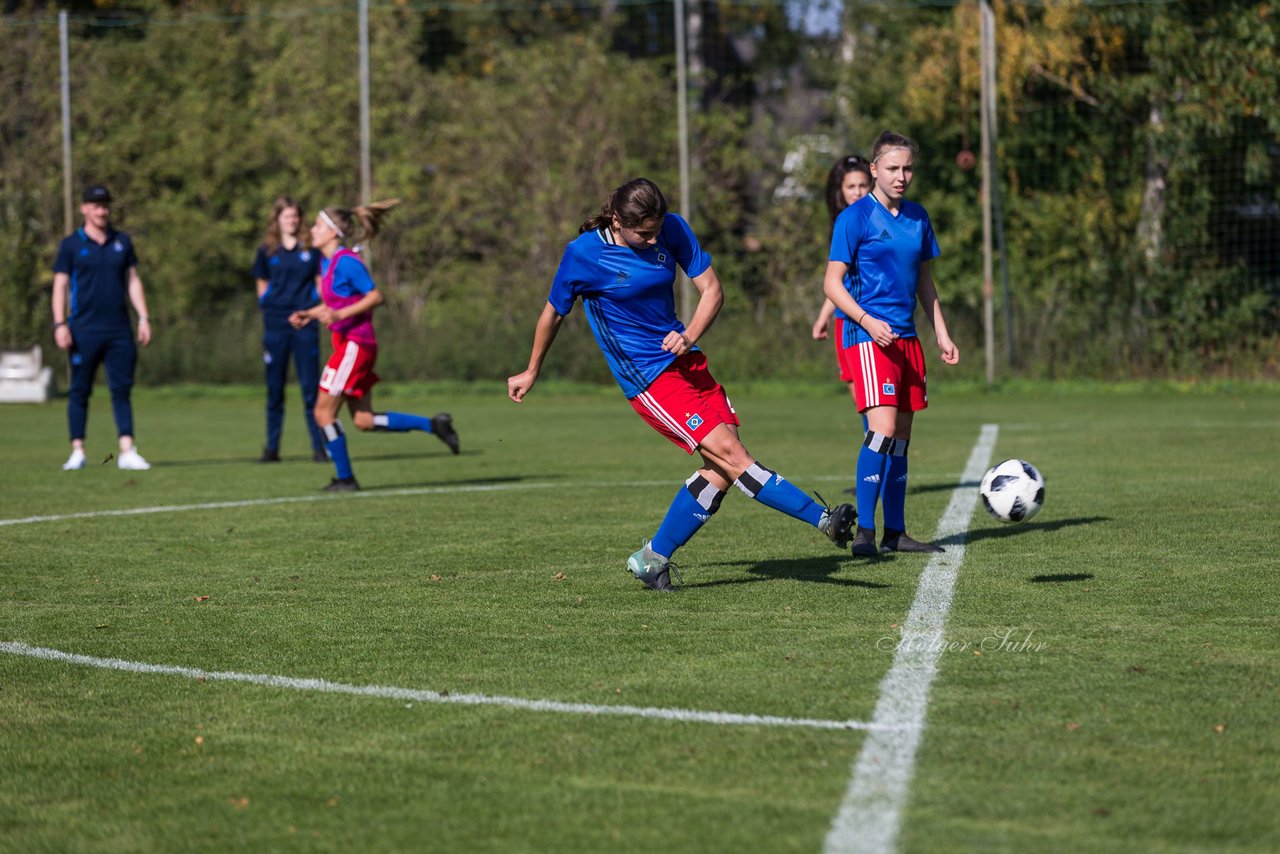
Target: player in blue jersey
x: 878, y: 269
x: 623, y: 267
x: 285, y: 270
x: 348, y: 297
x: 95, y: 279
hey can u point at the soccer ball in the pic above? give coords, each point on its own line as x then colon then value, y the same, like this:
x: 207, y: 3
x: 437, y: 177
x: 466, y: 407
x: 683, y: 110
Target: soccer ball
x: 1012, y: 491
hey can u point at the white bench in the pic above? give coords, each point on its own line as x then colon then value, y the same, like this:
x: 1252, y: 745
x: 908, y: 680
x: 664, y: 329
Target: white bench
x: 23, y: 378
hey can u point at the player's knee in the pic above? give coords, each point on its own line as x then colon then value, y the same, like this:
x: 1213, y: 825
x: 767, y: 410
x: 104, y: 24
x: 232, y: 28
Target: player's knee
x: 364, y: 421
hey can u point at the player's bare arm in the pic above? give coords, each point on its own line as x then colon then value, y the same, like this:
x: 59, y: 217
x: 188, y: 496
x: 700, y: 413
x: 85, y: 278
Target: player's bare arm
x: 61, y: 332
x: 927, y: 294
x: 833, y: 287
x: 138, y: 297
x: 543, y: 336
x: 710, y: 300
x: 370, y: 301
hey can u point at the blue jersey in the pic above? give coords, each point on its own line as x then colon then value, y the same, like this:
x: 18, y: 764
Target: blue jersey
x: 629, y: 296
x: 884, y: 253
x: 99, y: 286
x: 291, y: 280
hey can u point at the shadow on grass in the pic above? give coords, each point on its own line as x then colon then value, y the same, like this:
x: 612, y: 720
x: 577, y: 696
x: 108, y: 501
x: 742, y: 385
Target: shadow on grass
x: 813, y: 569
x: 913, y: 489
x: 445, y: 484
x: 1020, y: 529
x: 1062, y: 578
x: 302, y: 459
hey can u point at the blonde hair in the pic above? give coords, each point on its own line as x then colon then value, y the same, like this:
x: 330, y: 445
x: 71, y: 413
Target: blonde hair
x: 368, y: 218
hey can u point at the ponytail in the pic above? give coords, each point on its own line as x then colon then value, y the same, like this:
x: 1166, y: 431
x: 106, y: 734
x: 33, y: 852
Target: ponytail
x: 366, y: 218
x: 632, y: 203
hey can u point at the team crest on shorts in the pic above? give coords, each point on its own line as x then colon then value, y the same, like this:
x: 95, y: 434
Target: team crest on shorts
x: 888, y: 389
x: 694, y: 421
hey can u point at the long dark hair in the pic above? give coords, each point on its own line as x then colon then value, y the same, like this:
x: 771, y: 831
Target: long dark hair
x: 271, y: 237
x: 632, y: 203
x: 835, y: 181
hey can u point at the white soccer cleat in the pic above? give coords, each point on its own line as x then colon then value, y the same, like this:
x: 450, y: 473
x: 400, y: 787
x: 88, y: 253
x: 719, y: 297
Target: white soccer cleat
x: 75, y: 461
x: 131, y: 460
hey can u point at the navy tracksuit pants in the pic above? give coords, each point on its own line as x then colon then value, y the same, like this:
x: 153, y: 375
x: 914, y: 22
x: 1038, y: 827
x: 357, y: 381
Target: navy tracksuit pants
x: 279, y: 341
x: 89, y: 349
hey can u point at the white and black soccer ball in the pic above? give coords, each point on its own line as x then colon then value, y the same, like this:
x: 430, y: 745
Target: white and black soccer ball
x: 1012, y: 491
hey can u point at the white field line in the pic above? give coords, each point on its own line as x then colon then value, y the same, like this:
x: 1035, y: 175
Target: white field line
x: 420, y: 696
x: 871, y: 812
x: 377, y: 493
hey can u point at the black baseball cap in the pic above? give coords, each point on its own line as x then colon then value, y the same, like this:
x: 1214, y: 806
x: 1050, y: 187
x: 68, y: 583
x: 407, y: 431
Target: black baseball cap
x: 97, y: 193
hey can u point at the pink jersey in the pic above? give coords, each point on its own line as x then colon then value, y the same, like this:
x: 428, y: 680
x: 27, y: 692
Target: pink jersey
x: 347, y: 291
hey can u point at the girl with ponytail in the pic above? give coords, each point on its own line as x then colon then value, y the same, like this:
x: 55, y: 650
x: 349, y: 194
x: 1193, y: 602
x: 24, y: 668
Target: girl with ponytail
x: 348, y: 298
x: 623, y: 267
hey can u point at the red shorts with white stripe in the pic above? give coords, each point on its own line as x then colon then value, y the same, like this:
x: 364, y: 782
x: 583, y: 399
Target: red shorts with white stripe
x: 888, y: 376
x: 349, y: 370
x: 685, y: 403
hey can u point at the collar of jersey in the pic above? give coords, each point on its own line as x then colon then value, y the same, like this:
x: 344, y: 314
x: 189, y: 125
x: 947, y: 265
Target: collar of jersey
x: 85, y: 238
x: 884, y: 208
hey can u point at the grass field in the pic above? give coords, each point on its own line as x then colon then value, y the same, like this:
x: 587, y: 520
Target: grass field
x: 1134, y: 706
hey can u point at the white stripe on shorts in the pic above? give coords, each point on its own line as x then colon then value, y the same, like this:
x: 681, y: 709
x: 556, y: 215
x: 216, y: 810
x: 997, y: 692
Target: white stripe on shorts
x: 870, y: 383
x: 338, y: 386
x: 650, y: 403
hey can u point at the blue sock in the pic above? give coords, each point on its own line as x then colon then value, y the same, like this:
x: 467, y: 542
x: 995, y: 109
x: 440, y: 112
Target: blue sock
x: 772, y: 490
x: 335, y: 440
x: 400, y: 422
x: 895, y: 487
x: 695, y: 503
x: 872, y: 462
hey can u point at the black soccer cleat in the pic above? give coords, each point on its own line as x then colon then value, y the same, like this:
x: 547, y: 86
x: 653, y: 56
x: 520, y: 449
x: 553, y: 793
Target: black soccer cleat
x: 342, y: 484
x: 662, y: 582
x: 864, y: 543
x: 269, y: 455
x: 442, y: 426
x: 837, y: 524
x: 898, y: 541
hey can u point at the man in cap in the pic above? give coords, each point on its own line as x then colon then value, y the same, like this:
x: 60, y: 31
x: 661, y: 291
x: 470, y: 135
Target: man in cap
x: 95, y: 278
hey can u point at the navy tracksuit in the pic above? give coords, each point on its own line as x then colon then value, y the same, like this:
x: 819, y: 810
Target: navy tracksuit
x: 291, y: 286
x: 98, y: 317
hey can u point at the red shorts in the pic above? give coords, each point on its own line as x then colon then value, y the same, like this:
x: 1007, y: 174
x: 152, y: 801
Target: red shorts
x: 685, y: 402
x: 888, y: 376
x: 349, y: 371
x: 844, y: 358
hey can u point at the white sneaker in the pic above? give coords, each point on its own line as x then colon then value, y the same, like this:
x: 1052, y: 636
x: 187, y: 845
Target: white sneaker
x: 131, y: 460
x: 75, y: 461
